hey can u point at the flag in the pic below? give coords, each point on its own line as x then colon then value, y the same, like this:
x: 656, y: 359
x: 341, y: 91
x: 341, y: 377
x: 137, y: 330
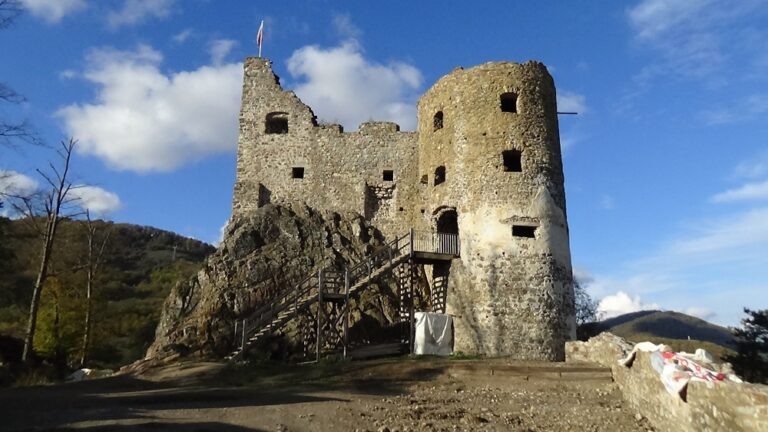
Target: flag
x: 260, y: 36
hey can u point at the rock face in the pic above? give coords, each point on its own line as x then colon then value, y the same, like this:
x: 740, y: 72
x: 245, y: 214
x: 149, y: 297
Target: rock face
x: 262, y: 253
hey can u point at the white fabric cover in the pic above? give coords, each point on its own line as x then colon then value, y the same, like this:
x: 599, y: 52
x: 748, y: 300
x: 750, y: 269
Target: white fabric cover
x: 434, y: 334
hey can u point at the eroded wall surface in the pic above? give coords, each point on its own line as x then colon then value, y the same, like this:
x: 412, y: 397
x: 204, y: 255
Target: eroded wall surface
x: 510, y: 294
x: 487, y: 154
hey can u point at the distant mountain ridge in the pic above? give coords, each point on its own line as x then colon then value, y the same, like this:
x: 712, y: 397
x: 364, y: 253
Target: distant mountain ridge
x: 667, y: 325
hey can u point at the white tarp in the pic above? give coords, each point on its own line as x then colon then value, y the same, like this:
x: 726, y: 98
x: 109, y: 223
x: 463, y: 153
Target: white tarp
x: 434, y: 334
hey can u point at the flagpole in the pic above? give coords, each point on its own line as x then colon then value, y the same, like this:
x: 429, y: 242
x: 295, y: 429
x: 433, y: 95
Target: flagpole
x: 260, y: 36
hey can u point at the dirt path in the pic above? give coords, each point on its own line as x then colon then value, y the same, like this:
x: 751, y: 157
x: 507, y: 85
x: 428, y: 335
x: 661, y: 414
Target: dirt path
x: 394, y: 395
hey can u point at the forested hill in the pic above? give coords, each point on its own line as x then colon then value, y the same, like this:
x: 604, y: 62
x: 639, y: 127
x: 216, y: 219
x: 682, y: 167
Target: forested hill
x: 140, y: 265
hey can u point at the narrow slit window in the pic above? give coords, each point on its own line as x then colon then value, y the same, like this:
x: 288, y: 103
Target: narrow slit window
x: 527, y: 231
x: 513, y: 160
x: 508, y: 102
x: 437, y: 122
x: 276, y: 123
x: 297, y: 172
x: 388, y: 175
x: 439, y: 175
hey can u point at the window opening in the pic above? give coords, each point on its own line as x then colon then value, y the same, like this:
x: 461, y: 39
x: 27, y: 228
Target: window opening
x: 437, y: 122
x: 508, y: 102
x: 297, y: 172
x: 439, y: 175
x: 425, y: 179
x: 528, y: 231
x: 277, y: 123
x: 513, y: 160
x: 388, y: 175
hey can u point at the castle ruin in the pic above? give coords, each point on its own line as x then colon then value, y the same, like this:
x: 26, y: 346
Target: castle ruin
x: 485, y: 163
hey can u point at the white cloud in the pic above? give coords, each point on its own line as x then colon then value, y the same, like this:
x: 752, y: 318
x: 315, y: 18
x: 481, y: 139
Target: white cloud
x: 343, y: 25
x: 136, y: 11
x: 747, y: 192
x: 700, y: 312
x: 53, y: 10
x: 696, y: 37
x: 607, y: 202
x: 571, y: 102
x: 745, y: 109
x: 620, y: 304
x: 15, y: 183
x: 219, y: 49
x: 753, y: 168
x: 341, y: 85
x: 95, y: 199
x: 146, y: 120
x: 182, y: 36
x: 734, y: 237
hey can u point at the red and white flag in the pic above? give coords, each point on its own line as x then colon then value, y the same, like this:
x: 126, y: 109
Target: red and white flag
x: 260, y: 36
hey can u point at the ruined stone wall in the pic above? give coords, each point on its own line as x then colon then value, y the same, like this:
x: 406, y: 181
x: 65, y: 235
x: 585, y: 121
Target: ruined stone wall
x: 509, y: 294
x: 342, y: 171
x: 723, y: 406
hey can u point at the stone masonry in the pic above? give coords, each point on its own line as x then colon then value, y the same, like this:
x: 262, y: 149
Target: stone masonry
x: 485, y: 163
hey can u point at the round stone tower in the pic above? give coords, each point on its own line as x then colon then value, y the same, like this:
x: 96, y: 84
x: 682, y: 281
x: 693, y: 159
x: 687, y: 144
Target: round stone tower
x: 490, y: 168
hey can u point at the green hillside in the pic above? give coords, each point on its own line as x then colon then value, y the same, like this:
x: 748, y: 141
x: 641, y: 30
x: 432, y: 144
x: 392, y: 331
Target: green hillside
x: 140, y: 266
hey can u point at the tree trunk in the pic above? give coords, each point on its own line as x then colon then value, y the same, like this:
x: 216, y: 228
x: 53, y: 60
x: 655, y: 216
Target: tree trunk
x: 88, y: 291
x: 42, y: 275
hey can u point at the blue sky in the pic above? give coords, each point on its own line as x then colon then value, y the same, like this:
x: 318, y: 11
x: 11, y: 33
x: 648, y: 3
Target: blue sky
x: 666, y: 164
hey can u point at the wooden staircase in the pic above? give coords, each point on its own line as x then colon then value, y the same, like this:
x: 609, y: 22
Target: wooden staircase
x: 330, y: 285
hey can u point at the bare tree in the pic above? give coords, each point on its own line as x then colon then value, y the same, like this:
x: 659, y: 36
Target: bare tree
x: 94, y: 257
x: 13, y: 131
x: 45, y: 210
x: 9, y: 10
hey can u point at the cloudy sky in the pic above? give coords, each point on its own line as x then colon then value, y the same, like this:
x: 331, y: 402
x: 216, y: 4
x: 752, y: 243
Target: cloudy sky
x: 666, y: 163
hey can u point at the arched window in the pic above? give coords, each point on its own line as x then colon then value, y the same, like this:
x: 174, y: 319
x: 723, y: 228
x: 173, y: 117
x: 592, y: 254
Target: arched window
x: 508, y: 102
x: 276, y: 123
x: 439, y: 175
x: 437, y: 122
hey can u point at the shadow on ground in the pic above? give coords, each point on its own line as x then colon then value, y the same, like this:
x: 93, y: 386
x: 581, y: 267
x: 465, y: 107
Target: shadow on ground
x: 142, y: 403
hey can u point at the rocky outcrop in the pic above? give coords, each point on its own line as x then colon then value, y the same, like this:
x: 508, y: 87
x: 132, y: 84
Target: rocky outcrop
x: 706, y: 406
x: 264, y: 252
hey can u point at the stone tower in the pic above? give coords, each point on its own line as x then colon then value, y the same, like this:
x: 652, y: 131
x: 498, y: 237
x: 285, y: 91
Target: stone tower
x: 491, y: 169
x: 485, y: 163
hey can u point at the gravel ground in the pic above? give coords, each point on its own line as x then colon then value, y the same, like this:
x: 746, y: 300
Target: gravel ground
x: 377, y: 396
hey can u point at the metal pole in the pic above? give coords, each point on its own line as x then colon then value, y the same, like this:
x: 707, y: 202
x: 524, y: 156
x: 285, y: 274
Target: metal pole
x: 410, y: 243
x: 413, y: 329
x: 346, y: 311
x: 319, y: 314
x: 234, y: 336
x: 242, y: 346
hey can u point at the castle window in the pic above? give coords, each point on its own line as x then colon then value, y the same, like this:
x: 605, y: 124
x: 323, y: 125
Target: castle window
x: 439, y: 175
x: 277, y: 123
x: 297, y: 172
x: 528, y: 231
x: 508, y: 102
x: 388, y: 175
x: 437, y: 122
x: 513, y: 160
x: 425, y: 179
